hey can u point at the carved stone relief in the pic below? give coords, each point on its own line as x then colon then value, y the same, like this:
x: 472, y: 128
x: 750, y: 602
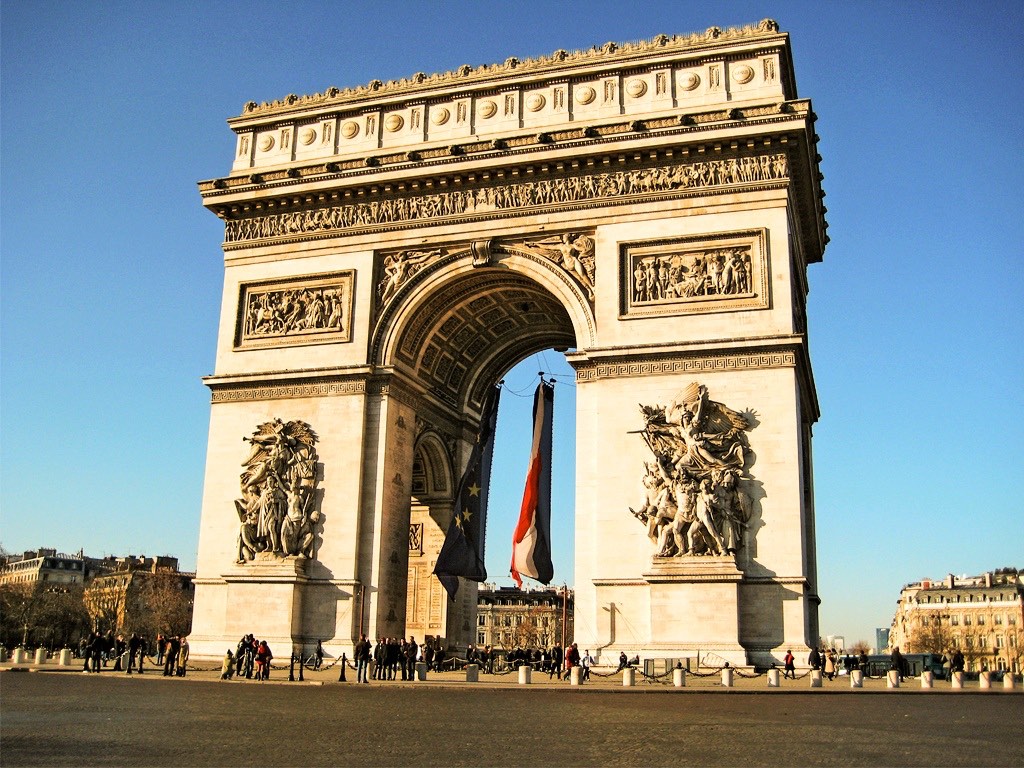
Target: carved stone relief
x: 695, y: 274
x: 571, y: 251
x: 697, y: 495
x: 277, y: 511
x: 300, y: 310
x: 400, y: 267
x: 544, y: 192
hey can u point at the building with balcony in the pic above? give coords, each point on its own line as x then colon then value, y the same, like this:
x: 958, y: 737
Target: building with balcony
x: 509, y: 618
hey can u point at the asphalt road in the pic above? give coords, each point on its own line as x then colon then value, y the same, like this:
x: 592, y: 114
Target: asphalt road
x: 70, y: 719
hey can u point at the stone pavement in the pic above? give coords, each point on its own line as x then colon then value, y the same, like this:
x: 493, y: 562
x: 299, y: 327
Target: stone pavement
x: 111, y: 719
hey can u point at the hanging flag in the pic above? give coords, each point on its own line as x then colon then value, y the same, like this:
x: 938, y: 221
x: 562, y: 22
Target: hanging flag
x: 531, y: 543
x: 462, y: 553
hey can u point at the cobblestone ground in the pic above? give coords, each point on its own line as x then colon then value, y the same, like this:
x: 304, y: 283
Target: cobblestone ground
x: 68, y: 718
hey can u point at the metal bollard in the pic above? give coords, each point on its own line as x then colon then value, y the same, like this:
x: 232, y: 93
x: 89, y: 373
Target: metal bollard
x: 927, y: 679
x: 773, y: 677
x: 628, y: 677
x: 727, y: 677
x: 421, y: 671
x: 524, y: 674
x: 343, y: 662
x: 679, y: 677
x: 857, y: 678
x: 815, y: 678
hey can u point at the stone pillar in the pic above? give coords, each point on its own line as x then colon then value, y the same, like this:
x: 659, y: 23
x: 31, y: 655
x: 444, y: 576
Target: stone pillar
x: 576, y: 676
x: 524, y: 674
x: 815, y: 676
x: 856, y: 678
x: 421, y: 670
x: 40, y: 655
x: 472, y: 673
x: 65, y: 658
x: 926, y: 679
x: 727, y: 677
x: 628, y: 677
x: 985, y: 680
x: 958, y: 680
x: 19, y: 656
x: 679, y: 677
x: 892, y: 679
x: 1008, y: 681
x: 773, y: 677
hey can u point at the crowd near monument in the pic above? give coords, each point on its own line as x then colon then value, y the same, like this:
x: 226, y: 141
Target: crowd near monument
x: 392, y: 249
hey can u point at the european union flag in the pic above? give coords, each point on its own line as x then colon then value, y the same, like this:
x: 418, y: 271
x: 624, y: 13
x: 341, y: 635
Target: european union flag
x: 462, y: 553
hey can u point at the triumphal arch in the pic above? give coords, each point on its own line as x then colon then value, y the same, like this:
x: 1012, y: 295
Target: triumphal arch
x: 391, y: 250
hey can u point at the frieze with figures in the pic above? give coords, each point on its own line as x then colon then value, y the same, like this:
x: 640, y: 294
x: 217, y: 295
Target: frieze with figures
x: 526, y: 194
x: 295, y: 311
x: 695, y: 274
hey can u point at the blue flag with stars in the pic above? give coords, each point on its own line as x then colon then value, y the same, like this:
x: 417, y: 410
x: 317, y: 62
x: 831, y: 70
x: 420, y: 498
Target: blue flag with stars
x: 462, y: 553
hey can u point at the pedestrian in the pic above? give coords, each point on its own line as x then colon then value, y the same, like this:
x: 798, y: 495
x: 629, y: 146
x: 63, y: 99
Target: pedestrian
x: 161, y: 649
x: 830, y: 664
x: 588, y: 662
x: 956, y: 662
x: 263, y: 659
x: 182, y: 656
x: 572, y: 659
x: 133, y: 650
x: 557, y: 659
x: 227, y: 669
x: 428, y: 652
x: 896, y: 662
x: 318, y: 655
x: 171, y: 656
x: 623, y: 661
x: 362, y: 653
x: 790, y: 665
x: 411, y: 649
x: 814, y: 658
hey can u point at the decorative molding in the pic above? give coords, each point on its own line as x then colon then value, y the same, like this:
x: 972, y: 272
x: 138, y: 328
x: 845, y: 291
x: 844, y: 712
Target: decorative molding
x: 655, y: 366
x: 609, y: 53
x: 231, y: 393
x: 525, y: 195
x: 310, y: 309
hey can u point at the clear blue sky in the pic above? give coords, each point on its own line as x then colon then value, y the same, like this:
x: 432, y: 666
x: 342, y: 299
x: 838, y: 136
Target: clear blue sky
x: 112, y: 269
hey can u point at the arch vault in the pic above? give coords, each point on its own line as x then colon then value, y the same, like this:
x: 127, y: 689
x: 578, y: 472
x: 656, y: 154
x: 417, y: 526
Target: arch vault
x: 392, y: 250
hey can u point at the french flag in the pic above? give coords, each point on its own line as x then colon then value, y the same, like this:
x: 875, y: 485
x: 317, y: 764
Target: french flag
x: 531, y: 544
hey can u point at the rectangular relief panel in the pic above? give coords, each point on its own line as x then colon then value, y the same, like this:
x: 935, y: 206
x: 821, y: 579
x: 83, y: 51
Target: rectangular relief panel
x: 312, y: 309
x: 699, y: 273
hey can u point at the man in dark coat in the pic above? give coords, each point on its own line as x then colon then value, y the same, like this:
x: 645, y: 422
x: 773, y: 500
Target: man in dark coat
x: 814, y: 659
x: 896, y: 661
x: 411, y: 649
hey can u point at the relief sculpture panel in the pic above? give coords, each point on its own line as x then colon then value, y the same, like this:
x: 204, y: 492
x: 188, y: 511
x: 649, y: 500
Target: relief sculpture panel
x: 300, y: 310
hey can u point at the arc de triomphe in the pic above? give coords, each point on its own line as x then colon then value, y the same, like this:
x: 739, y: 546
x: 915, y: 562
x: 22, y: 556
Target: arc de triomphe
x: 392, y: 250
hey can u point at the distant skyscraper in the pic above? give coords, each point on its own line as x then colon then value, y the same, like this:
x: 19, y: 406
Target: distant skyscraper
x: 881, y: 639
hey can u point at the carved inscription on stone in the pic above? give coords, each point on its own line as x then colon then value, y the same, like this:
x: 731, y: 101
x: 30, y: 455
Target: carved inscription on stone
x: 695, y: 274
x: 696, y: 496
x: 527, y: 194
x: 301, y: 310
x: 277, y: 510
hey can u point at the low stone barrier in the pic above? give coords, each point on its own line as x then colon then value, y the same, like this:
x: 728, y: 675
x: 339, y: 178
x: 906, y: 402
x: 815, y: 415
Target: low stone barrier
x: 856, y: 678
x: 1008, y: 682
x: 628, y: 677
x: 421, y: 671
x: 815, y: 676
x: 679, y: 677
x: 575, y: 675
x: 892, y: 679
x: 525, y: 673
x: 472, y: 673
x: 64, y: 659
x: 727, y: 677
x: 957, y: 680
x: 927, y: 679
x: 773, y: 678
x: 985, y: 680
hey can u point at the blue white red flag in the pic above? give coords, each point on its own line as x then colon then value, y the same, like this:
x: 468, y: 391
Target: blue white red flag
x: 531, y: 543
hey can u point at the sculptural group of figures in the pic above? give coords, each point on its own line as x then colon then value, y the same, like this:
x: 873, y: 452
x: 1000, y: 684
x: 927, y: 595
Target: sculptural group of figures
x: 574, y: 252
x: 389, y: 210
x: 724, y: 272
x: 275, y: 313
x: 277, y: 508
x: 693, y: 497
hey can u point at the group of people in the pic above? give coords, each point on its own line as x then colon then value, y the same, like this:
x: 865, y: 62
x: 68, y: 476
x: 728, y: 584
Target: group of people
x: 251, y: 660
x: 827, y: 660
x: 98, y: 649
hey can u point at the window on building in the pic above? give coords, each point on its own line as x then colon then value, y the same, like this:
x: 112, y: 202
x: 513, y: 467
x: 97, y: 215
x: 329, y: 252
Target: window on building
x: 967, y: 619
x: 481, y: 620
x: 970, y: 641
x: 954, y: 620
x: 999, y: 641
x: 481, y: 638
x: 981, y: 620
x: 998, y: 619
x: 1012, y: 620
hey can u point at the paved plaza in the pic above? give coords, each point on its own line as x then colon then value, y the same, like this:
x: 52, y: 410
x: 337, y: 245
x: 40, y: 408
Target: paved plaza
x: 68, y: 718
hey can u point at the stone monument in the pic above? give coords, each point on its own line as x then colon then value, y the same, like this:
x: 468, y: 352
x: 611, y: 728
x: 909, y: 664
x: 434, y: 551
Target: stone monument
x: 391, y: 250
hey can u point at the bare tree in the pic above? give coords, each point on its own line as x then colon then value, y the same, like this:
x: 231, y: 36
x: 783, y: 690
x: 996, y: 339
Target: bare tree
x: 933, y: 637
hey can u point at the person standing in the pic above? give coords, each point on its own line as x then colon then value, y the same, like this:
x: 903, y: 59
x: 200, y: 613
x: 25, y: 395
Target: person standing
x: 227, y: 669
x: 588, y: 662
x: 318, y: 656
x: 363, y: 649
x: 557, y: 658
x: 411, y: 649
x: 814, y: 658
x: 133, y: 650
x: 182, y: 656
x: 572, y: 659
x: 896, y: 662
x: 171, y: 656
x: 790, y: 665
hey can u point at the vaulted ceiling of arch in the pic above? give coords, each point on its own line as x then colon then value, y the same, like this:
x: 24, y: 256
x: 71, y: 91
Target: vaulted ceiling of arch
x: 473, y: 330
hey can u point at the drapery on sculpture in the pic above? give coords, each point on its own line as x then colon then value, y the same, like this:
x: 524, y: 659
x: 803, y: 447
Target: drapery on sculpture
x: 693, y: 497
x: 276, y: 510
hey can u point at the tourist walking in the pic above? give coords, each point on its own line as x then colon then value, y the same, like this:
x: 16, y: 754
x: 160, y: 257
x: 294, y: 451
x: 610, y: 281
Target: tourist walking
x: 790, y: 665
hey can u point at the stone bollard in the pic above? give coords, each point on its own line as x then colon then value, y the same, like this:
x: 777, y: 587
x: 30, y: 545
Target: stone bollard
x: 856, y: 678
x: 815, y: 676
x: 64, y: 659
x: 927, y: 679
x: 525, y: 674
x: 576, y: 676
x: 472, y: 673
x: 1008, y: 681
x: 3, y: 653
x: 40, y: 655
x: 957, y: 680
x: 727, y: 677
x: 773, y: 677
x: 985, y: 680
x: 628, y: 677
x: 421, y: 671
x: 892, y: 679
x: 19, y: 656
x: 679, y: 677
